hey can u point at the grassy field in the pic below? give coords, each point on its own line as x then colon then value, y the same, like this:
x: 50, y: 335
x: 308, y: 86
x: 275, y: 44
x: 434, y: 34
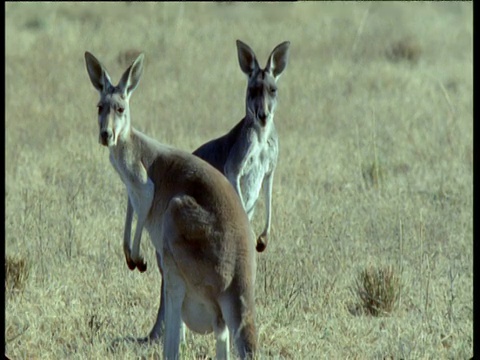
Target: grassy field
x: 375, y: 120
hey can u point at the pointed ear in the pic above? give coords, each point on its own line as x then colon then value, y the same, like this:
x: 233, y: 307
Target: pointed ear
x: 277, y: 61
x: 131, y: 77
x: 98, y: 75
x: 246, y: 58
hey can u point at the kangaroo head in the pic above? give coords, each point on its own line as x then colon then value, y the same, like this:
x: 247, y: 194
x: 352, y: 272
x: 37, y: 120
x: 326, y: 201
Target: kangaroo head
x: 261, y: 98
x: 113, y: 107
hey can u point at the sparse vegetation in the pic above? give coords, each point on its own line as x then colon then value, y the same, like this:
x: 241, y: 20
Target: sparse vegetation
x: 373, y: 174
x: 378, y: 289
x: 406, y: 48
x: 125, y: 58
x: 16, y: 274
x: 375, y: 167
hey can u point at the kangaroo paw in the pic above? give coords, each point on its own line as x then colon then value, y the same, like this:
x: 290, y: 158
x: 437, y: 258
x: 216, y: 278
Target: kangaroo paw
x: 261, y: 243
x: 130, y: 263
x: 141, y: 266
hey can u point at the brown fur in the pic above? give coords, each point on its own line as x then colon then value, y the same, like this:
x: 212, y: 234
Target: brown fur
x: 195, y: 219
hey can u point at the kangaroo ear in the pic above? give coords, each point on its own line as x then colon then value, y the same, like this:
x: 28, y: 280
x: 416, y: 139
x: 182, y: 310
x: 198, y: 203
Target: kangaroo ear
x: 131, y: 77
x: 246, y: 58
x: 97, y: 73
x: 277, y: 61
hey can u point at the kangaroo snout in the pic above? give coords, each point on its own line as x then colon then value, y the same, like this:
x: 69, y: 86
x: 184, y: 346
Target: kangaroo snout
x: 262, y: 117
x: 106, y: 136
x: 259, y: 114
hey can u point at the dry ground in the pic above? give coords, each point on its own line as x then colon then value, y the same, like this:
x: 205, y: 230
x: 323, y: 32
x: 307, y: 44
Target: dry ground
x: 375, y: 123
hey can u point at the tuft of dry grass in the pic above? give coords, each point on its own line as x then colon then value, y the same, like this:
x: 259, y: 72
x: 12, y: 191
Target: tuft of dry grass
x: 16, y: 274
x: 373, y: 174
x: 378, y: 289
x: 125, y: 58
x: 405, y: 49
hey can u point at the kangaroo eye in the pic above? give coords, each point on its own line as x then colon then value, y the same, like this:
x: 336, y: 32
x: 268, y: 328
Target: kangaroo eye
x: 120, y: 110
x: 273, y: 89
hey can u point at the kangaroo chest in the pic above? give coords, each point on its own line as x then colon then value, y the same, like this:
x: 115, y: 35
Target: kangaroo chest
x: 140, y: 187
x: 261, y: 160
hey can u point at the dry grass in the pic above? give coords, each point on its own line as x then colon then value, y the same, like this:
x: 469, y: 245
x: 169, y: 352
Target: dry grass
x: 16, y: 275
x: 404, y: 49
x: 378, y: 289
x: 375, y: 167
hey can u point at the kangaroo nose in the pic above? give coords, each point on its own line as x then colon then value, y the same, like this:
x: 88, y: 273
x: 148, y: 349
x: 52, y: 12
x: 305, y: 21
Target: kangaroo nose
x: 106, y: 135
x: 262, y: 116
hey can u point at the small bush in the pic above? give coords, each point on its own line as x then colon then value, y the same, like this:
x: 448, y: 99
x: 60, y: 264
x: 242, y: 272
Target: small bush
x: 404, y: 49
x: 127, y: 57
x: 16, y: 274
x: 378, y: 290
x: 373, y: 174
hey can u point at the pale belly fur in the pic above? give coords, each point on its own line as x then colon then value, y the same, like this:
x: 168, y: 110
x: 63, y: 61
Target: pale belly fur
x: 251, y: 182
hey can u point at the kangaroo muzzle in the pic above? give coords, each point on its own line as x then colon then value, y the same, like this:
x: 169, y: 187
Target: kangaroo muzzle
x: 106, y: 137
